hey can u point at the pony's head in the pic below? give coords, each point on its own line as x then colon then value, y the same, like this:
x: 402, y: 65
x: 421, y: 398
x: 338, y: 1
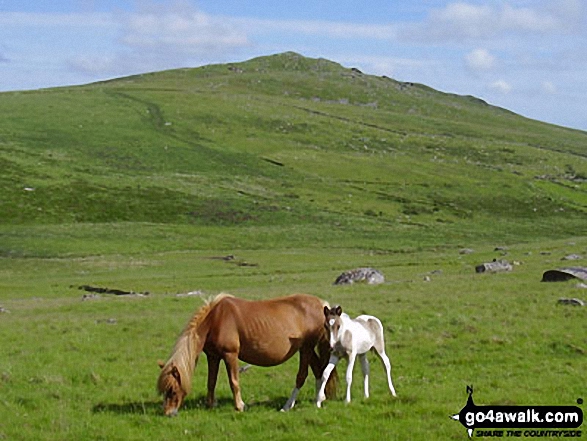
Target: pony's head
x: 332, y: 323
x: 175, y: 379
x: 170, y: 386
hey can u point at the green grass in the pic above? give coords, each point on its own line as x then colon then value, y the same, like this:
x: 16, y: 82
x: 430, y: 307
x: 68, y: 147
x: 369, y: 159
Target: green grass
x: 75, y: 369
x: 302, y: 169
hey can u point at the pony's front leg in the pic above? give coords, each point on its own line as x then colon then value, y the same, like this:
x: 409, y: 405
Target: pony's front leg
x: 365, y: 370
x: 213, y: 366
x: 231, y: 362
x: 349, y: 375
x: 325, y: 376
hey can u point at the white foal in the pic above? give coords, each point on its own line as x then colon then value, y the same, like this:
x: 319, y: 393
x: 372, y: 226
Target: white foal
x: 350, y: 338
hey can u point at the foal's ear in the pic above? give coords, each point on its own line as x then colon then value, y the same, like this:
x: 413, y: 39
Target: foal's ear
x: 160, y: 364
x: 326, y: 311
x: 338, y: 310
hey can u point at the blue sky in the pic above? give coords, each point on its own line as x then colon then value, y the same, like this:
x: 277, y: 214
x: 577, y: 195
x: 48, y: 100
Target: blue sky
x: 529, y: 56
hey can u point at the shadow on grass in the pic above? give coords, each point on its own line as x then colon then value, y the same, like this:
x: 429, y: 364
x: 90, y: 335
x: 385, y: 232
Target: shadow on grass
x: 199, y: 403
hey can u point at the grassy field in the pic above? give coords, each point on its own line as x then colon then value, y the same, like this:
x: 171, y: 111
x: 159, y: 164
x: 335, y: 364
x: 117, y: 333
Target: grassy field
x: 301, y: 169
x: 74, y: 369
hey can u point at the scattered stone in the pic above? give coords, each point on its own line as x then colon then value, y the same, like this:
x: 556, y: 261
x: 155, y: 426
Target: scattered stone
x: 191, y: 293
x: 496, y: 266
x: 231, y: 258
x: 368, y: 275
x: 226, y: 258
x: 466, y: 251
x: 109, y: 321
x: 572, y: 257
x: 564, y: 274
x: 3, y: 310
x: 573, y: 302
x: 117, y: 292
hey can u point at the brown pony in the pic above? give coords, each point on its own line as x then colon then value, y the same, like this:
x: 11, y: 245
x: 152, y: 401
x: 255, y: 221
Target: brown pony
x: 262, y: 333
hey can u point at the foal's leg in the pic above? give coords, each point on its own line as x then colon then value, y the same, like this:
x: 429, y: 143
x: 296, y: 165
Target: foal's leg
x: 305, y: 356
x: 380, y: 349
x: 213, y: 366
x: 349, y: 375
x: 231, y: 362
x: 325, y: 375
x: 387, y: 364
x: 365, y: 369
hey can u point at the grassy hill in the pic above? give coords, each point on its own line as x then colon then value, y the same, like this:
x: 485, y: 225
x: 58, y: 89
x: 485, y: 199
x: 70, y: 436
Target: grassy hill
x: 284, y: 144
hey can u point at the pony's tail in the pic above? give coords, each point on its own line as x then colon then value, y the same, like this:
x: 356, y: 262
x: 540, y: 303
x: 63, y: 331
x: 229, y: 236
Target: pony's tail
x: 324, y: 355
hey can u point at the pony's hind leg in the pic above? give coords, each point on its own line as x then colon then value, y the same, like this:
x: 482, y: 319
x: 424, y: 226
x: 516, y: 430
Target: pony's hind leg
x: 231, y: 362
x: 365, y: 370
x: 213, y: 367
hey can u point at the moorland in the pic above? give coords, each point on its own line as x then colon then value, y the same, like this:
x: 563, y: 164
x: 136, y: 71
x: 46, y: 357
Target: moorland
x: 269, y: 177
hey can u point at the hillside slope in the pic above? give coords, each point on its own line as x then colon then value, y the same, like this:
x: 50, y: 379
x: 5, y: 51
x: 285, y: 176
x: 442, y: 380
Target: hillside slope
x: 287, y: 145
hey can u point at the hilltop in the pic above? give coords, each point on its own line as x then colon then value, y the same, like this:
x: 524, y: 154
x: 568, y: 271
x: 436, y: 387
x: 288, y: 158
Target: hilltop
x: 280, y: 151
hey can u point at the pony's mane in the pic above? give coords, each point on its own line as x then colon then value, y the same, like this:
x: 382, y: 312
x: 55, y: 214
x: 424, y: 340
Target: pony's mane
x: 184, y: 356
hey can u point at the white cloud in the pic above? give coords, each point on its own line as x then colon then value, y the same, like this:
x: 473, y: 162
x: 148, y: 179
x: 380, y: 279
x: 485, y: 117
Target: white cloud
x: 480, y: 60
x: 164, y: 36
x: 168, y: 35
x: 548, y: 87
x: 328, y: 29
x: 501, y: 86
x: 180, y: 29
x: 460, y: 20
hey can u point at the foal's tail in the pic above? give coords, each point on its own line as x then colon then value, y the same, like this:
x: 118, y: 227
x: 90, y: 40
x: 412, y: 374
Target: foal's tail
x: 324, y: 355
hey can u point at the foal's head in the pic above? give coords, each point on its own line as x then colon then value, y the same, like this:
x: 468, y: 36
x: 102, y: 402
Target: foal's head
x: 169, y: 385
x: 333, y: 323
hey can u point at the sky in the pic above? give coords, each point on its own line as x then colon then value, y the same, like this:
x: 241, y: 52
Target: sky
x: 528, y: 56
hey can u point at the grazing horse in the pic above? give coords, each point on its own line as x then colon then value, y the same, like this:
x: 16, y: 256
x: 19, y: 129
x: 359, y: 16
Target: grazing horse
x: 262, y: 333
x: 350, y: 338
